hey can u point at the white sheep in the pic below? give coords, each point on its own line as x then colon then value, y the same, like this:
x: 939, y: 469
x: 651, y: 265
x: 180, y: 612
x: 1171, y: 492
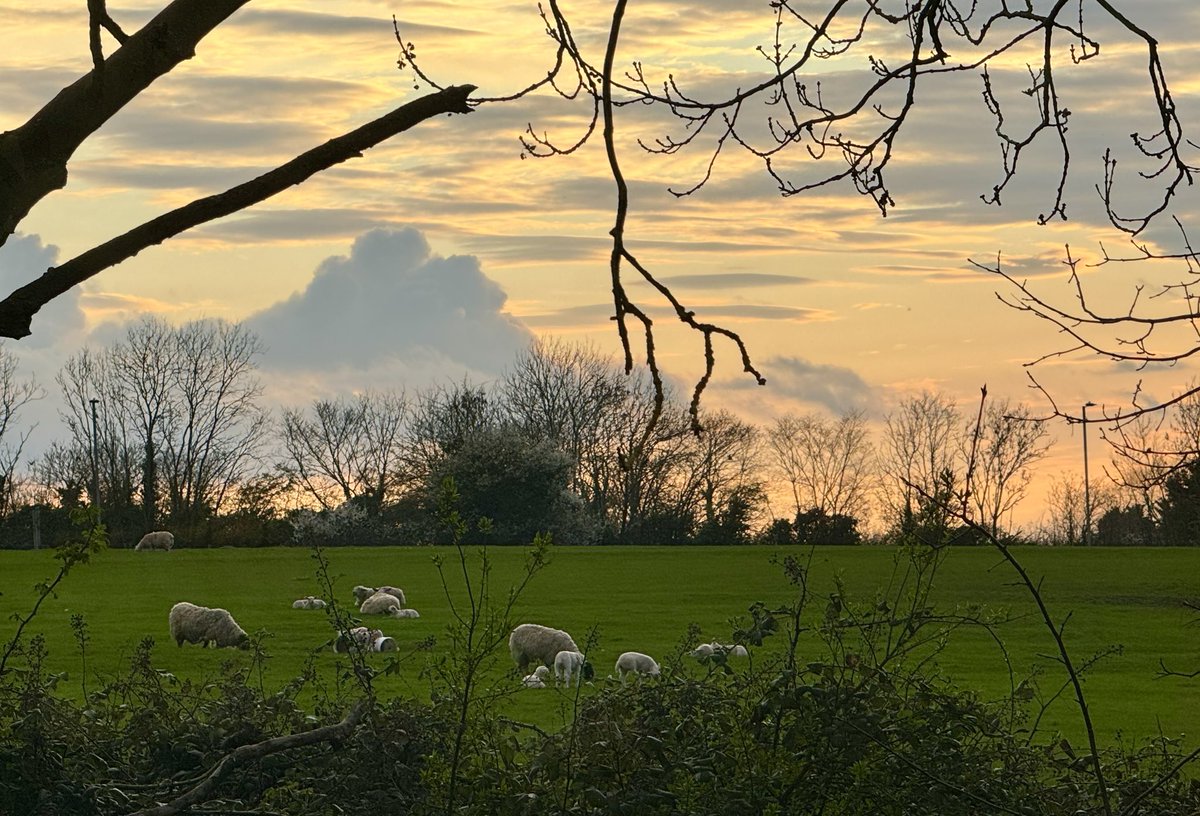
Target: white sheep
x: 308, y: 602
x: 395, y: 592
x: 532, y: 643
x: 361, y: 593
x: 636, y: 663
x: 537, y: 679
x: 709, y: 649
x: 369, y: 640
x: 570, y: 663
x: 381, y: 603
x: 406, y: 613
x: 158, y: 540
x: 200, y: 624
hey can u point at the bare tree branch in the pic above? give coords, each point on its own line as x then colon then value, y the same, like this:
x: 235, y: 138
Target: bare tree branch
x: 248, y: 753
x: 18, y: 309
x: 33, y: 157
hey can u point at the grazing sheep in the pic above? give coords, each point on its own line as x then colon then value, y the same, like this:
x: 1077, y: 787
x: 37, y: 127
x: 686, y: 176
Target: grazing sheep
x: 531, y: 643
x: 369, y: 640
x: 636, y: 663
x: 158, y: 540
x: 200, y: 624
x: 537, y: 679
x: 308, y: 602
x: 361, y: 593
x: 380, y: 604
x: 568, y: 664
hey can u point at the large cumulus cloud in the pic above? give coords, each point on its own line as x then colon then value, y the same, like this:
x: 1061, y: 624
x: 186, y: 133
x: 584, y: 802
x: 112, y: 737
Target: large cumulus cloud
x: 388, y: 304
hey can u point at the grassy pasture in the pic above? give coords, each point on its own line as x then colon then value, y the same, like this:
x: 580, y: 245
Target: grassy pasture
x: 643, y: 598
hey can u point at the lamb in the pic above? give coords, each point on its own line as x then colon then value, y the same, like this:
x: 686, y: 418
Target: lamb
x: 406, y: 613
x: 537, y: 679
x: 636, y: 663
x: 369, y: 640
x: 568, y: 664
x: 381, y: 603
x: 158, y: 540
x: 532, y: 643
x: 200, y: 624
x: 308, y: 602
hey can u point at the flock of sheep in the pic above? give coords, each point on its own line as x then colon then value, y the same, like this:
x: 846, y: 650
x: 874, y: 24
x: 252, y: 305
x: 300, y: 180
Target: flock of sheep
x: 529, y: 644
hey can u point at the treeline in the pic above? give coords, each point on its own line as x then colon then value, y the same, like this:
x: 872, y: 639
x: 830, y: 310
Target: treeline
x: 167, y: 428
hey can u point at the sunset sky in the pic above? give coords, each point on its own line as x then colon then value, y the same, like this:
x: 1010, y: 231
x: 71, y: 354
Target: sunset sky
x: 442, y: 252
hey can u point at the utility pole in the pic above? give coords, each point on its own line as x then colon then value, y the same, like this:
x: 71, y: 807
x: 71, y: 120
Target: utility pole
x: 1087, y: 483
x: 95, y: 458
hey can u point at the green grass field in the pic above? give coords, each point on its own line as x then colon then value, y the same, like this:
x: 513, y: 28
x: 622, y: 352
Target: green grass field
x: 643, y: 598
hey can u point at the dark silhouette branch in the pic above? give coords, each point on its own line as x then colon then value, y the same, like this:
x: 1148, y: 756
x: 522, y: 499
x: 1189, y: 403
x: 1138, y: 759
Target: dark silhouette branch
x: 249, y: 753
x: 18, y: 309
x: 34, y: 156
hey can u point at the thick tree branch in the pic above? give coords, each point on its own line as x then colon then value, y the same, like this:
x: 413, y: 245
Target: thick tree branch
x: 33, y: 158
x: 248, y: 753
x: 17, y: 310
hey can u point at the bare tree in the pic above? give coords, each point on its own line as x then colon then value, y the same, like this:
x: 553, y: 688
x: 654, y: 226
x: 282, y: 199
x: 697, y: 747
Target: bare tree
x: 919, y: 456
x: 725, y: 461
x: 1006, y: 444
x: 34, y: 157
x: 1065, y: 507
x: 214, y: 429
x: 828, y: 463
x: 354, y: 449
x: 15, y: 394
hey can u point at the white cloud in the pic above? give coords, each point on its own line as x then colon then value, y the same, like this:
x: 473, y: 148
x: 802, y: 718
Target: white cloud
x: 394, y: 308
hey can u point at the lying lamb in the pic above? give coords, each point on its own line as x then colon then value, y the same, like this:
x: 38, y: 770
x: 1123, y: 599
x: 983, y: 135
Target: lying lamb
x: 636, y: 663
x: 537, y: 679
x: 369, y: 640
x: 308, y: 602
x: 158, y: 540
x: 570, y: 663
x: 532, y: 643
x: 200, y: 624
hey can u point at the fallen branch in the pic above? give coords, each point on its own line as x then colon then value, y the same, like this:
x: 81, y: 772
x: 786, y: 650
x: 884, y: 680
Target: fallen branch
x: 247, y: 753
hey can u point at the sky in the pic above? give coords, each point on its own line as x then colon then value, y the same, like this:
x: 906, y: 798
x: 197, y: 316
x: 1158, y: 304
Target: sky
x: 443, y: 252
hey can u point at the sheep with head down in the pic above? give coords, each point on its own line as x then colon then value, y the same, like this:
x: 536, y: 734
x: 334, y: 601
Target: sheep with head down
x: 368, y: 640
x: 157, y: 540
x: 636, y: 663
x: 204, y: 625
x: 532, y: 643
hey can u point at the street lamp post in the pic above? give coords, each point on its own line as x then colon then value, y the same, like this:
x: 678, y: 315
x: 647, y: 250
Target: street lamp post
x: 1087, y: 483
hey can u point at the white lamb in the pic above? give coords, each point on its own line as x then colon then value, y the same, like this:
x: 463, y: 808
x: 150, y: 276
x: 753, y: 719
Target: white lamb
x: 568, y: 664
x: 200, y: 624
x: 308, y: 602
x: 381, y: 603
x: 636, y: 663
x: 532, y: 643
x: 406, y: 613
x: 158, y: 540
x: 537, y: 679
